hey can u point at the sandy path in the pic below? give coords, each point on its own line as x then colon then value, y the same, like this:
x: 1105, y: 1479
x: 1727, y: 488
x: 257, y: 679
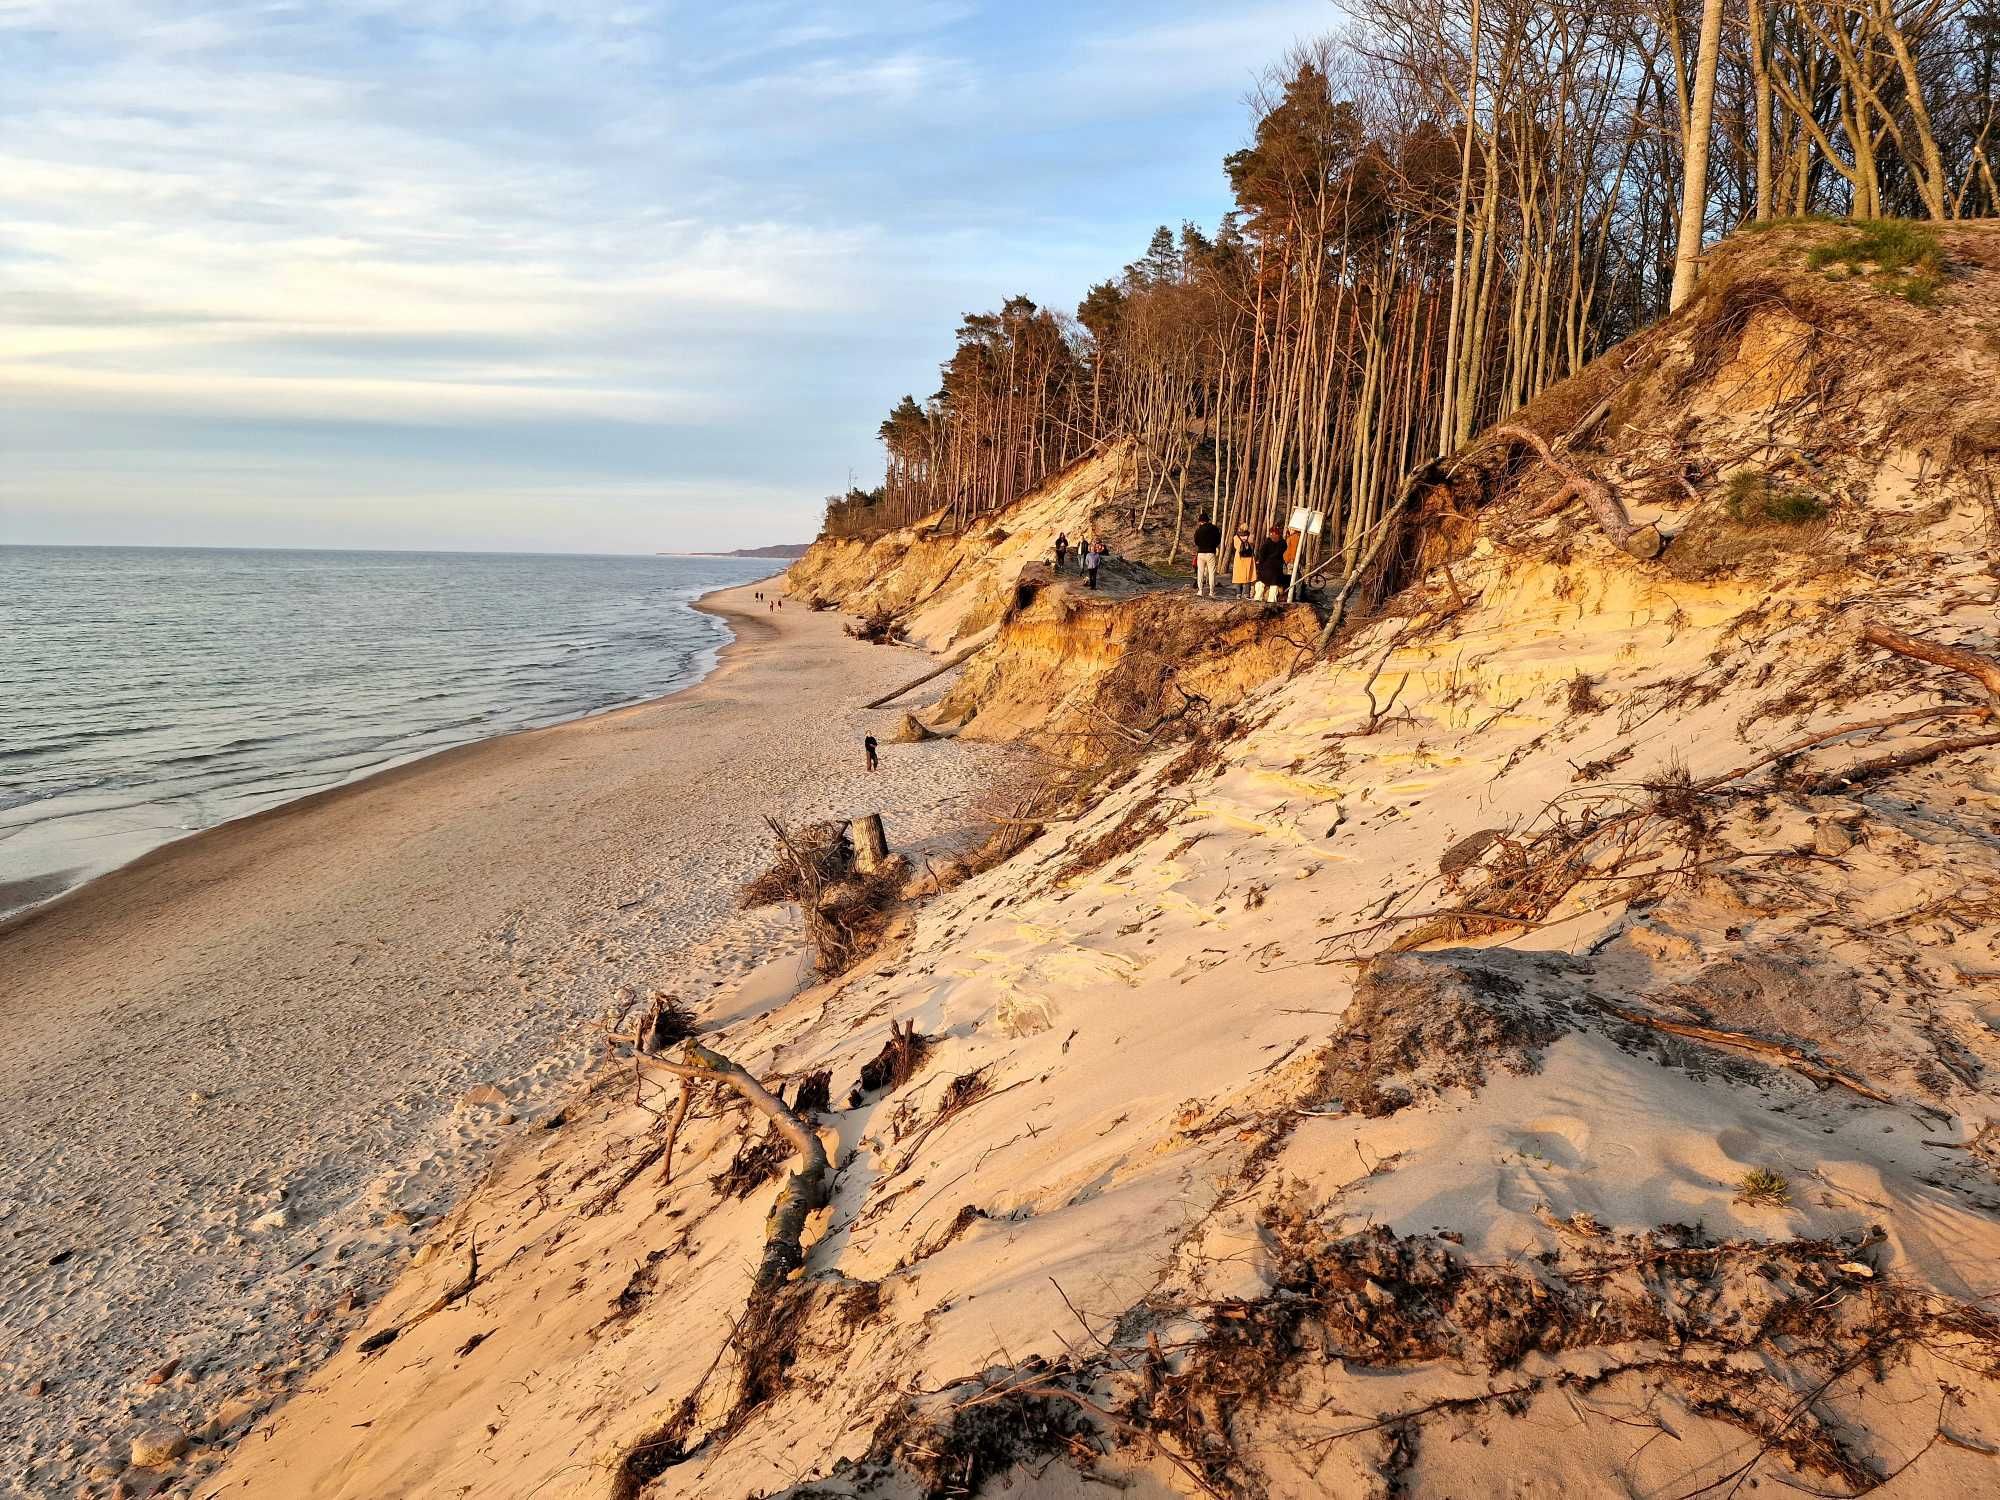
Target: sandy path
x: 234, y: 1070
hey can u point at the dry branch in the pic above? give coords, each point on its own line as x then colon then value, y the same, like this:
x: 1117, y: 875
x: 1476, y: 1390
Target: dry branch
x: 1824, y: 736
x: 1774, y: 1052
x: 1902, y: 760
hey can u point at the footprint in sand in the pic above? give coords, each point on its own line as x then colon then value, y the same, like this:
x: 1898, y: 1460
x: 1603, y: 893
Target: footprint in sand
x: 1538, y: 1158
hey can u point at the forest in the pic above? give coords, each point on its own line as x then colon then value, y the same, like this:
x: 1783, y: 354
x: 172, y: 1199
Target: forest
x: 1443, y: 208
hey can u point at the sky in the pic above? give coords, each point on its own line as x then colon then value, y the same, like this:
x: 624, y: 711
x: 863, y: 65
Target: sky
x: 551, y: 275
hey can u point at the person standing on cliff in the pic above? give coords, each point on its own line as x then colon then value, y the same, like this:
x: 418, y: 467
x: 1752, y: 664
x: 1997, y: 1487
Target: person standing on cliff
x: 1062, y: 548
x: 1243, y: 570
x: 1207, y: 542
x: 1270, y: 566
x: 868, y: 749
x: 1093, y: 559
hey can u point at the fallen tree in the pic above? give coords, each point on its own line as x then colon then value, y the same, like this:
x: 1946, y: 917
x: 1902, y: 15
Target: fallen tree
x: 804, y: 1192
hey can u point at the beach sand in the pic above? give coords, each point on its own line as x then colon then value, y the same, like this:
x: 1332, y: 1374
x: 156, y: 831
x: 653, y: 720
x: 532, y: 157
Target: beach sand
x: 234, y: 1090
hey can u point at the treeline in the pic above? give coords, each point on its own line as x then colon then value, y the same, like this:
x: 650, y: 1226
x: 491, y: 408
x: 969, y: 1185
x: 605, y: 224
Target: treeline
x: 1439, y: 214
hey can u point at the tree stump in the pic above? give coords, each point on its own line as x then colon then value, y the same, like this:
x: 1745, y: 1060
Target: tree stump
x: 871, y: 846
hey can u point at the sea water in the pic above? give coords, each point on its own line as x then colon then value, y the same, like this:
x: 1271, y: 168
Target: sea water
x: 146, y: 693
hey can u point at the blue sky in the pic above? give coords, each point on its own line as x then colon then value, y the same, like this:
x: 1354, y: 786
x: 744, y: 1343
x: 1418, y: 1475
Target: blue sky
x: 574, y: 275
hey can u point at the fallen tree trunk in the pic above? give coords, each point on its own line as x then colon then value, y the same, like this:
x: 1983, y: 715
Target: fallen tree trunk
x: 979, y: 642
x: 805, y: 1191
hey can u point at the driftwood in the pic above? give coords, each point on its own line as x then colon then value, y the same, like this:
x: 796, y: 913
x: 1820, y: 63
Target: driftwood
x: 979, y: 643
x: 1642, y: 542
x: 805, y: 1191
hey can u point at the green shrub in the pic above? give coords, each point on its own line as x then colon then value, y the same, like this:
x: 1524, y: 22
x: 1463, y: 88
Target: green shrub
x: 1757, y: 500
x: 1903, y: 256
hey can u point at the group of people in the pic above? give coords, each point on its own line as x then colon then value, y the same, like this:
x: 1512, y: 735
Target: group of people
x: 774, y: 602
x: 1257, y: 569
x: 1264, y: 568
x: 1089, y: 556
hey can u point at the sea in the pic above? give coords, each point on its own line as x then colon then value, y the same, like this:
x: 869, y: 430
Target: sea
x: 147, y: 693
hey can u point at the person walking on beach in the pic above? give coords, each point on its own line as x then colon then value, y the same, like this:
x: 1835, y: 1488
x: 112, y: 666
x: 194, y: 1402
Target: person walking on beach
x: 1207, y: 542
x: 868, y: 749
x: 1270, y: 566
x: 1243, y: 571
x: 1062, y: 548
x: 1093, y: 559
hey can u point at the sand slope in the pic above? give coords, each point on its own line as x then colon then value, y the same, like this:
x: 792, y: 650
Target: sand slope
x: 231, y: 1094
x: 1135, y: 1113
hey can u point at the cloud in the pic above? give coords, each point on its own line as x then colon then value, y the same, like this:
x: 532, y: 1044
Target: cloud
x: 427, y: 402
x: 600, y: 237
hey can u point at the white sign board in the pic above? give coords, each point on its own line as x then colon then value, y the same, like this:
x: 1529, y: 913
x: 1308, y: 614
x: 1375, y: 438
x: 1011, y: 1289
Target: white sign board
x: 1308, y: 521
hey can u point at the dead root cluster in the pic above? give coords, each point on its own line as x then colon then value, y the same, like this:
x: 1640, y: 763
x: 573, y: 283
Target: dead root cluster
x: 877, y: 628
x: 806, y: 861
x: 1772, y: 1339
x: 846, y: 909
x: 1430, y: 1026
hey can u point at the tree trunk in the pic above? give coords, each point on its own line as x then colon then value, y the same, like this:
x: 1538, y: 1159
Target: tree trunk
x: 805, y: 1191
x: 1760, y: 74
x: 1694, y: 176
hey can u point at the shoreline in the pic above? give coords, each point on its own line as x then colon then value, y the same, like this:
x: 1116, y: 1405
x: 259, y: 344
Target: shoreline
x: 735, y: 621
x: 251, y: 1068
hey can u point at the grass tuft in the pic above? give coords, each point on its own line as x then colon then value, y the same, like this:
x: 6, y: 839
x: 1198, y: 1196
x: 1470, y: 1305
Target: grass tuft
x: 1756, y: 499
x: 1904, y: 258
x: 1760, y: 1187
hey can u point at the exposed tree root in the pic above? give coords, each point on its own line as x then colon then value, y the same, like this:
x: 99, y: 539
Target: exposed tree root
x: 1982, y: 669
x: 1642, y: 542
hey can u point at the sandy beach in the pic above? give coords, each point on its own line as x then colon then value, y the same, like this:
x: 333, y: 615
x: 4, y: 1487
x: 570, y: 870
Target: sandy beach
x: 236, y: 1085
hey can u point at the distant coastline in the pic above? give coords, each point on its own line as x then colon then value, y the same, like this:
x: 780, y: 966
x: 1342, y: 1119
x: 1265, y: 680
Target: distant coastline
x: 778, y: 549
